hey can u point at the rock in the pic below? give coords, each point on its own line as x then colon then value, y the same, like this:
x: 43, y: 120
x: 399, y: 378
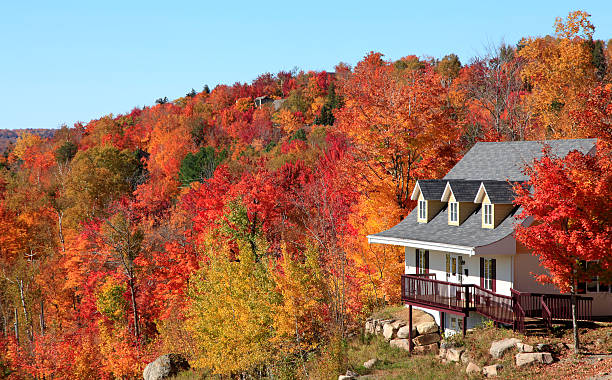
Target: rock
x: 351, y: 373
x: 466, y: 357
x: 389, y: 331
x: 343, y: 377
x: 370, y: 363
x: 397, y: 324
x: 522, y: 347
x: 491, y: 370
x: 499, y: 347
x: 427, y: 328
x: 400, y: 343
x: 403, y: 332
x: 165, y: 366
x: 442, y: 353
x: 561, y: 346
x: 472, y: 369
x: 423, y: 340
x: 427, y: 349
x: 524, y: 359
x: 369, y: 327
x: 454, y: 354
x: 543, y: 347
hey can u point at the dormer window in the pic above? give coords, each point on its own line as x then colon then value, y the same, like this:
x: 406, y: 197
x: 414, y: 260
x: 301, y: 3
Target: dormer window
x: 423, y: 210
x: 487, y: 214
x: 453, y: 208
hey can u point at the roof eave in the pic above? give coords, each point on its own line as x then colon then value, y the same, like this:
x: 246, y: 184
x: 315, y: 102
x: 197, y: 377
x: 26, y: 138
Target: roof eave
x: 375, y: 239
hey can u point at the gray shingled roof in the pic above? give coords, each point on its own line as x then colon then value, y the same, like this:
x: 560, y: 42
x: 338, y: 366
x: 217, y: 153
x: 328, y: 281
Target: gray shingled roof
x: 504, y: 160
x: 432, y: 189
x: 500, y: 191
x: 486, y: 161
x: 464, y: 191
x: 469, y: 234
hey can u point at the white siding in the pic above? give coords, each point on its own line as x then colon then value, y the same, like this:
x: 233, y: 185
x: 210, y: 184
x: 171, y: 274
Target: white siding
x: 437, y: 265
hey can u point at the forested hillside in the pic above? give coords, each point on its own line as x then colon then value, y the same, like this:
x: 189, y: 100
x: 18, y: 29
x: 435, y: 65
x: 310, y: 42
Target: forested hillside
x: 234, y: 232
x: 8, y: 137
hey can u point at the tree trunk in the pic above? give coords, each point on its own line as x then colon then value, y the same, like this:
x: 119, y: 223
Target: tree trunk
x: 16, y: 327
x: 575, y: 320
x: 25, y: 311
x: 42, y: 317
x: 134, y: 307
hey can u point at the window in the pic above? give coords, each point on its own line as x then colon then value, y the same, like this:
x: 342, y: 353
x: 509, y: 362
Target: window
x: 422, y: 261
x: 423, y: 209
x: 487, y: 267
x: 488, y: 214
x: 593, y: 285
x: 454, y: 268
x: 456, y: 322
x: 454, y: 211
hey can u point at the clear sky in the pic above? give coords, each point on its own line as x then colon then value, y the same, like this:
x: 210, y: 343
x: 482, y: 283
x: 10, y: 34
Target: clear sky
x: 63, y: 62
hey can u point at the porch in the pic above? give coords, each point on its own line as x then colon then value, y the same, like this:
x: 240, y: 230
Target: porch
x: 519, y: 309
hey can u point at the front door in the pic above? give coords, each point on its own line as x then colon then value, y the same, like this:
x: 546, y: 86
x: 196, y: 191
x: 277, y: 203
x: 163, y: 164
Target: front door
x: 454, y: 268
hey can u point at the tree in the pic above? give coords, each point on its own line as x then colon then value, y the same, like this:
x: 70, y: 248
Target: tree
x: 201, y: 165
x: 123, y: 241
x: 569, y: 201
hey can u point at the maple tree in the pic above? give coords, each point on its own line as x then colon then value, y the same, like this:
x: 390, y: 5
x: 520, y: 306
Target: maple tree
x: 569, y: 201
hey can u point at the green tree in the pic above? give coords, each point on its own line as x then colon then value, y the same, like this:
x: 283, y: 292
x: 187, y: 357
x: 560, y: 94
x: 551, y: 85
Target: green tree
x: 201, y: 165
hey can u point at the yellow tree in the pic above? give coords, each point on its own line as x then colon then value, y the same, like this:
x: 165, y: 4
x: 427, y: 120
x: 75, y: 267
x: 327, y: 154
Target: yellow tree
x: 559, y: 69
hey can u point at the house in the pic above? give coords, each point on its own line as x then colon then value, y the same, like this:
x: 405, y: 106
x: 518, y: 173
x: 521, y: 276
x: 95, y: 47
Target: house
x: 462, y: 262
x: 276, y: 104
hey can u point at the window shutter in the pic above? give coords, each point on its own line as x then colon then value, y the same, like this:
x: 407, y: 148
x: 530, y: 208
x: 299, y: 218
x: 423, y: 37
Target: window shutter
x: 482, y: 274
x: 426, y: 261
x: 416, y: 256
x: 493, y: 275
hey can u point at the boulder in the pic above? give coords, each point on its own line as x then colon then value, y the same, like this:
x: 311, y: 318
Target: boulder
x: 442, y: 352
x: 403, y: 332
x: 389, y: 331
x: 500, y: 347
x: 369, y: 327
x: 427, y: 328
x: 165, y: 366
x: 466, y: 357
x: 492, y: 370
x: 522, y: 347
x: 454, y: 354
x: 423, y: 340
x: 427, y: 349
x: 400, y: 343
x: 344, y: 377
x: 472, y: 369
x: 370, y: 363
x: 397, y: 324
x: 523, y: 359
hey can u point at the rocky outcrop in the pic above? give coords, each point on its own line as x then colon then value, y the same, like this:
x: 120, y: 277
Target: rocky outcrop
x: 370, y: 363
x: 165, y: 366
x: 425, y: 332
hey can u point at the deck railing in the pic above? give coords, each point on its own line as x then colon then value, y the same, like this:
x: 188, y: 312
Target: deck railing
x: 442, y: 295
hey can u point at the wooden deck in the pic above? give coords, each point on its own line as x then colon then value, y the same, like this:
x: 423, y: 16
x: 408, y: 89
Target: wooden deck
x: 516, y: 310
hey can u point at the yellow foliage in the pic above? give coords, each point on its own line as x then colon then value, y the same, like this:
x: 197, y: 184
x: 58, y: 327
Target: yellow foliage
x: 287, y: 121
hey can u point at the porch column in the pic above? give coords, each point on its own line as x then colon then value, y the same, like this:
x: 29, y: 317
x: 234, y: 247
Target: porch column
x: 465, y: 317
x: 442, y: 322
x: 410, y: 345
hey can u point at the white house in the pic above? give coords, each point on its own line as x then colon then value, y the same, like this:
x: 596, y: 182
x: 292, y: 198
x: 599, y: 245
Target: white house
x: 462, y: 261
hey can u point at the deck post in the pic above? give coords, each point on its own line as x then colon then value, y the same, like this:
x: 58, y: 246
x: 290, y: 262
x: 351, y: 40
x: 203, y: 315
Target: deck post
x: 442, y: 322
x: 465, y: 317
x: 410, y: 345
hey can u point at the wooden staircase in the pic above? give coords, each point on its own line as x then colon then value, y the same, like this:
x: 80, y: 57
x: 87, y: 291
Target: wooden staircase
x: 535, y: 326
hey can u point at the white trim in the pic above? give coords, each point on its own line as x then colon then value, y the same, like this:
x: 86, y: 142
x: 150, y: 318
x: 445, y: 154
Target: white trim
x: 480, y: 194
x: 414, y: 196
x: 372, y: 239
x: 447, y: 192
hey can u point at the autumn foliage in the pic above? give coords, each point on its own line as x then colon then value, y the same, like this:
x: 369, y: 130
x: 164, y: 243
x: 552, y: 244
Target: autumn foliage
x: 234, y: 233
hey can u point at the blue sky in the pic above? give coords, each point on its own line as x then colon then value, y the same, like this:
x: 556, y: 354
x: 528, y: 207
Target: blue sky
x: 63, y: 62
